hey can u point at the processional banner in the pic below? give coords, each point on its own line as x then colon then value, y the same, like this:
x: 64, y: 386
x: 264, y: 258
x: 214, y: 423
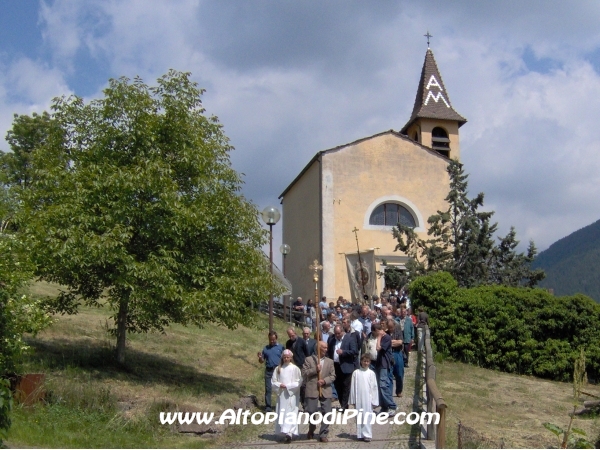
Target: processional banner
x: 361, y: 273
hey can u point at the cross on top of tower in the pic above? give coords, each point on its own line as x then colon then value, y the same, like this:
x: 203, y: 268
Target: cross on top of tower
x: 428, y: 36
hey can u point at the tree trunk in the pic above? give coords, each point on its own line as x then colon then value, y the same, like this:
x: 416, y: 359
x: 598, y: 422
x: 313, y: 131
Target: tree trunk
x: 122, y: 329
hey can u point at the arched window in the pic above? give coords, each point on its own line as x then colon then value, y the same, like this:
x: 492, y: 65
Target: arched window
x: 440, y: 141
x: 390, y: 214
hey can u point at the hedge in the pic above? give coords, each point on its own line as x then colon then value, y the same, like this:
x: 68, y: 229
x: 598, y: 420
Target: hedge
x: 518, y: 330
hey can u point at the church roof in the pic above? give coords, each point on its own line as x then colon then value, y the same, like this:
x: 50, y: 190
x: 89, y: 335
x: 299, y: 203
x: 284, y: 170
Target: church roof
x: 432, y: 100
x: 339, y: 147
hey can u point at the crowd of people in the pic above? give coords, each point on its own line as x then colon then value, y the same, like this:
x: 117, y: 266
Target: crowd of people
x: 349, y: 352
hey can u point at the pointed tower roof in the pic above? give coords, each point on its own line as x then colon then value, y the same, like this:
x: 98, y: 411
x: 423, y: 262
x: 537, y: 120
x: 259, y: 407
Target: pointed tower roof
x: 432, y: 100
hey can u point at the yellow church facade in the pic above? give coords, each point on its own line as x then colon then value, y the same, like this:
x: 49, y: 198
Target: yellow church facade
x: 360, y: 190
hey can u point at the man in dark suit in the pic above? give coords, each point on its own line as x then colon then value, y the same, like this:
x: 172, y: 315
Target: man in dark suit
x: 297, y: 347
x: 310, y: 374
x: 311, y: 344
x: 342, y: 349
x: 349, y: 330
x: 299, y: 351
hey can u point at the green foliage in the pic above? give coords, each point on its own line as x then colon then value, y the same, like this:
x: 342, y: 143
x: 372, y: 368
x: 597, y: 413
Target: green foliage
x: 510, y: 268
x: 6, y: 402
x: 572, y: 441
x: 437, y: 288
x: 460, y: 241
x: 394, y: 277
x: 8, y: 207
x: 513, y: 329
x: 27, y: 134
x: 133, y: 197
x: 18, y: 313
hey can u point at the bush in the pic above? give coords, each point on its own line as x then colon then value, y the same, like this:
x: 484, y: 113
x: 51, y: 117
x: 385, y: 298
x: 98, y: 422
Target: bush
x: 518, y: 330
x: 18, y: 315
x: 5, y: 407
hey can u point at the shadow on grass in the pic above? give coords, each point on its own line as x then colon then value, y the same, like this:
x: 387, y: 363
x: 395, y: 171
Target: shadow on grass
x: 140, y: 367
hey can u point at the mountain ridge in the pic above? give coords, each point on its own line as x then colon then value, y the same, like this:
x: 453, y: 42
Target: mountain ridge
x: 571, y: 263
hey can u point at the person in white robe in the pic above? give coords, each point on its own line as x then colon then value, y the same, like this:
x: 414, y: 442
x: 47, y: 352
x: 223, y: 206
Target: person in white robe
x: 286, y: 382
x: 364, y: 396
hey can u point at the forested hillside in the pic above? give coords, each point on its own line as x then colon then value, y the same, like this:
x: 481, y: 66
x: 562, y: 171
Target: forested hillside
x: 572, y: 263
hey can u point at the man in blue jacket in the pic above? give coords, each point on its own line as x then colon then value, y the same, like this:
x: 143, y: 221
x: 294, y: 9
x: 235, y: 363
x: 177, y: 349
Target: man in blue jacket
x: 270, y: 355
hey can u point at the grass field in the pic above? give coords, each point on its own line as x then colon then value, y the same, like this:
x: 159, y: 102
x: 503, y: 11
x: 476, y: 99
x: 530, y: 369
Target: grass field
x: 93, y: 402
x: 505, y: 409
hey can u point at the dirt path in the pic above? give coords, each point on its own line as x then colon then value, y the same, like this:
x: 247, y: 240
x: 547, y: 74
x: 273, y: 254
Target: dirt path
x: 344, y: 436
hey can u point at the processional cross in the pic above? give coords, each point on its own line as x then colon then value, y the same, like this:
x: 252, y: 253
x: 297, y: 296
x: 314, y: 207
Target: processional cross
x: 316, y: 267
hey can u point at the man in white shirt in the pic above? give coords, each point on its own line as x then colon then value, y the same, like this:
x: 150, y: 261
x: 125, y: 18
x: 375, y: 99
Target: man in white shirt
x: 356, y: 324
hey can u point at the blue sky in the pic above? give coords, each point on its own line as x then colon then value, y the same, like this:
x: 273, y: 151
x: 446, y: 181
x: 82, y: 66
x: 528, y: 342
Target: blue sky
x: 290, y: 78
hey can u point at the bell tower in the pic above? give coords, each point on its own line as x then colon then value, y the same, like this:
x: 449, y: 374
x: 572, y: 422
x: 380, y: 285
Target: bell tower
x: 433, y: 122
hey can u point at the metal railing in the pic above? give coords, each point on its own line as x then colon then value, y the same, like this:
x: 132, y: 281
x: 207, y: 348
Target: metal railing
x: 432, y: 397
x: 285, y: 311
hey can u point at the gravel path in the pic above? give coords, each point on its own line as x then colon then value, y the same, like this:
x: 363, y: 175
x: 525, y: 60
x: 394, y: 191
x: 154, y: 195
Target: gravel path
x: 344, y: 436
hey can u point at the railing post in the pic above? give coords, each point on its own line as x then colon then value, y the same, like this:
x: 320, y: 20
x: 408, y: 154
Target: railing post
x: 440, y: 441
x: 430, y: 409
x: 421, y: 377
x: 434, y: 403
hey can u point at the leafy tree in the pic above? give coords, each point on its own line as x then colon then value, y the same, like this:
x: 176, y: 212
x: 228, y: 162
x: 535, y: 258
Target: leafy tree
x: 28, y: 133
x: 134, y: 199
x: 460, y: 241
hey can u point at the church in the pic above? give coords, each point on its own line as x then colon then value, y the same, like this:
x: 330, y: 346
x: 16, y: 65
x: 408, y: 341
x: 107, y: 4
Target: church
x: 341, y: 207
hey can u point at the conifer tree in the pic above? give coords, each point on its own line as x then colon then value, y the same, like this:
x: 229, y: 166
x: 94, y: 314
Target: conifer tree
x: 461, y: 241
x: 509, y: 268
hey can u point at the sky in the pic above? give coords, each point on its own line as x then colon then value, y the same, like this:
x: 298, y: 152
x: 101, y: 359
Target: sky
x: 290, y: 78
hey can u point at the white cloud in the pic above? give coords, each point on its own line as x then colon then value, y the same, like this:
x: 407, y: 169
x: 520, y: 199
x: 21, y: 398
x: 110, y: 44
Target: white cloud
x: 26, y: 86
x: 34, y: 82
x: 532, y: 147
x: 61, y: 28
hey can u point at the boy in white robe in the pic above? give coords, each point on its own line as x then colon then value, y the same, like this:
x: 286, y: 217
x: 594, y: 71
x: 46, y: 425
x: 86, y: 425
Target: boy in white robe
x: 364, y: 396
x: 286, y: 382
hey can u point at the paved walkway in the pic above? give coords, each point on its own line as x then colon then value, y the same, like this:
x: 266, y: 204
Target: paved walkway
x: 344, y: 436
